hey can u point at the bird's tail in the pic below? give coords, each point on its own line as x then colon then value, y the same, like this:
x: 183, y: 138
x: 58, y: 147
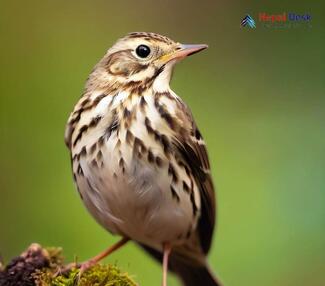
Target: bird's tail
x: 196, y: 276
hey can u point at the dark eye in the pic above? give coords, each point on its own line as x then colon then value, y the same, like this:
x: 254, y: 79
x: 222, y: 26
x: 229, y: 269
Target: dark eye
x: 142, y: 51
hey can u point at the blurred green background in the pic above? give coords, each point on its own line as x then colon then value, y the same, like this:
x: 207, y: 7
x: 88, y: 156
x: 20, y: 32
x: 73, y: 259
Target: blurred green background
x: 257, y: 95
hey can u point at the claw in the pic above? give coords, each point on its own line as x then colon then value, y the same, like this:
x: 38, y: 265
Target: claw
x: 85, y: 266
x: 66, y: 269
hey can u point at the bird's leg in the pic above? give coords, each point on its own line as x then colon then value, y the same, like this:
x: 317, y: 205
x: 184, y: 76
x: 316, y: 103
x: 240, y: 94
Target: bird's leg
x: 91, y: 262
x: 167, y: 249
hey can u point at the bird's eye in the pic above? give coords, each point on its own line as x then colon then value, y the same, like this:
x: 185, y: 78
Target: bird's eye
x: 142, y: 51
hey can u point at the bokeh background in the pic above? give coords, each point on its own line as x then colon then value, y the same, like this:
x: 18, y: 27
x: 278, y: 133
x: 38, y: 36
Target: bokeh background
x: 257, y: 95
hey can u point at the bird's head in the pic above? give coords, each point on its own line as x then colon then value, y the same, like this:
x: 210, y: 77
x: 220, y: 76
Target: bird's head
x: 139, y: 59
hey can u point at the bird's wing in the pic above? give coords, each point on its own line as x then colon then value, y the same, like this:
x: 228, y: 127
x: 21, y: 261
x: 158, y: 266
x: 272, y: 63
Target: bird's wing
x: 189, y: 147
x: 192, y: 150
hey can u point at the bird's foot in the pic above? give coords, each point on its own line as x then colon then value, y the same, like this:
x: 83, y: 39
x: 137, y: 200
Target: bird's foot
x: 64, y: 270
x: 83, y: 267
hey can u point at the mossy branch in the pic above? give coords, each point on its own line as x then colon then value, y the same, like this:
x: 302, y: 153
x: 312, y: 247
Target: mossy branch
x: 41, y: 267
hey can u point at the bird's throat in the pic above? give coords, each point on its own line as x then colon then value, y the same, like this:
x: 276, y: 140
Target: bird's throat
x: 161, y: 82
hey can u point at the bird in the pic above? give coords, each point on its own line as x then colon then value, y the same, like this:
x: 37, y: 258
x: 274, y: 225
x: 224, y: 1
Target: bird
x: 139, y: 161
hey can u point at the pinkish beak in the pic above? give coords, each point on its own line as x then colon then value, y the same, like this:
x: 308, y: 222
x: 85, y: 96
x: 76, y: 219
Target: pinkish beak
x: 188, y: 50
x: 183, y: 51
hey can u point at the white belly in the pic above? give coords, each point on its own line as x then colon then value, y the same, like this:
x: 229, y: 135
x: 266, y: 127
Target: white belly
x: 134, y: 198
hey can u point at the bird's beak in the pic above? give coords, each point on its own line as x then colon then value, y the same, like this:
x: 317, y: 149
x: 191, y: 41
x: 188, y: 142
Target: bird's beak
x: 182, y: 52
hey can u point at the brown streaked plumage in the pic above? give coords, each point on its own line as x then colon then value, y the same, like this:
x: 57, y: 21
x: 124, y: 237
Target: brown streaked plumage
x: 139, y: 161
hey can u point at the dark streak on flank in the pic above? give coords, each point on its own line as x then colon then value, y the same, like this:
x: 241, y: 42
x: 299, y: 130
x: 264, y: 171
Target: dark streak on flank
x: 194, y: 207
x: 186, y: 187
x: 101, y: 140
x: 112, y: 128
x: 139, y: 147
x: 83, y: 152
x: 166, y: 145
x: 98, y: 99
x: 174, y: 194
x: 159, y: 161
x: 85, y: 104
x: 172, y: 172
x: 94, y: 163
x: 99, y: 155
x: 81, y: 131
x: 129, y: 137
x: 122, y: 165
x: 161, y: 138
x: 126, y: 113
x: 167, y: 95
x: 143, y: 103
x: 80, y: 171
x: 76, y: 115
x: 93, y: 148
x: 148, y: 126
x: 186, y: 168
x: 93, y: 123
x: 151, y: 157
x: 164, y: 113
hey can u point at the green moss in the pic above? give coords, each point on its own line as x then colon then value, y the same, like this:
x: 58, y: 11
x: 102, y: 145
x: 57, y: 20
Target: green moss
x: 98, y: 275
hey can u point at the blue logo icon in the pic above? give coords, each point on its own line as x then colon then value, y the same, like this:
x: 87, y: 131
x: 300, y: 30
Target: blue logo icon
x: 248, y: 21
